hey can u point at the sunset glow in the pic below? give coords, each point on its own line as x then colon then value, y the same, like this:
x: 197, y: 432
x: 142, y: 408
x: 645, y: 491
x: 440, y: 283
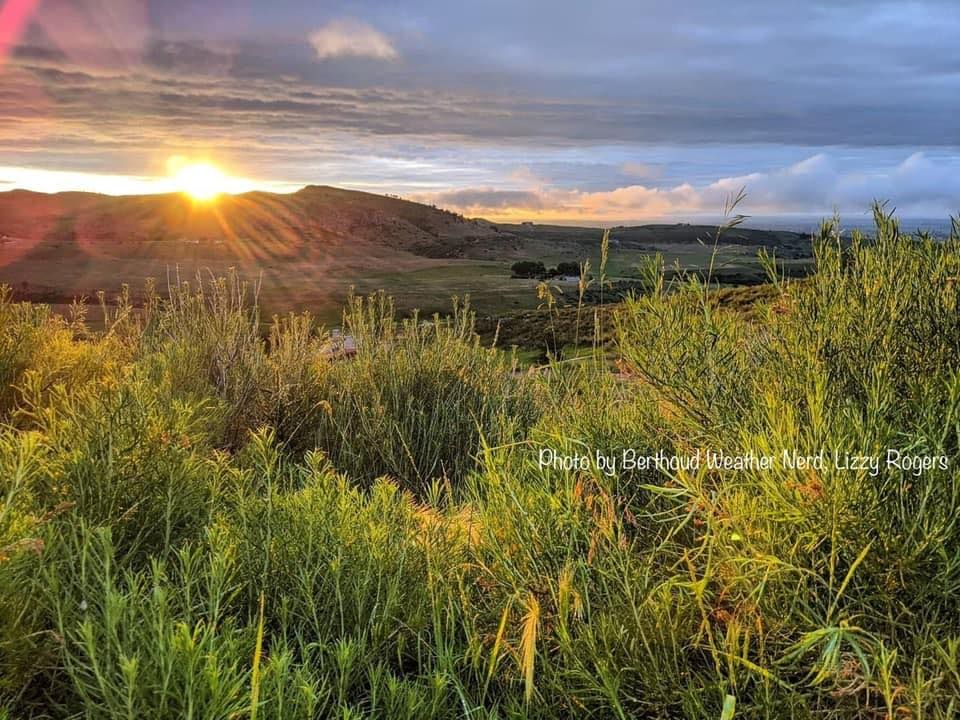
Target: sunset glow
x: 54, y: 181
x: 475, y: 113
x: 201, y: 181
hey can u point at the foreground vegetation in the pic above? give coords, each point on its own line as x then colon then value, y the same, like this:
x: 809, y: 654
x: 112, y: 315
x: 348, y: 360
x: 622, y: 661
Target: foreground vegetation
x: 201, y: 522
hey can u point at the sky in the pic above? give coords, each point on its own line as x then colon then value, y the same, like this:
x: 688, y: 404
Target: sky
x: 596, y: 112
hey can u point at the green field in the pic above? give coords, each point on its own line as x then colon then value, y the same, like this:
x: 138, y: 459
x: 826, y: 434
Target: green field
x: 415, y: 283
x: 307, y: 250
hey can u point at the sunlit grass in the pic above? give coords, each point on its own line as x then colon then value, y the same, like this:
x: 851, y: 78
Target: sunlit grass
x: 202, y: 520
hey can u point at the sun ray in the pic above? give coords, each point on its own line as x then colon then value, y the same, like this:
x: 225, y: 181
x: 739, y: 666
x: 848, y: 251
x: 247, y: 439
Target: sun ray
x: 201, y: 181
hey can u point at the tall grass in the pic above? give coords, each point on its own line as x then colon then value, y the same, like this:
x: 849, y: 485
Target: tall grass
x: 418, y: 397
x: 207, y: 515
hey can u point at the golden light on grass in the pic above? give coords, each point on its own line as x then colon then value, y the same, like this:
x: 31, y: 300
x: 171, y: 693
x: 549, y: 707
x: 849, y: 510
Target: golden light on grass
x: 528, y: 645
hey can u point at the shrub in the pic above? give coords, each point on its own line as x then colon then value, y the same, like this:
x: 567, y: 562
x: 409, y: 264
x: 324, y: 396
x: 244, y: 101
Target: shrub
x: 337, y: 564
x: 128, y: 457
x: 859, y: 358
x: 155, y: 642
x: 418, y: 397
x: 39, y: 350
x: 22, y: 458
x: 207, y: 342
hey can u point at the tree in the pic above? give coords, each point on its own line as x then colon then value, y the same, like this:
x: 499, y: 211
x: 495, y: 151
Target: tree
x: 568, y: 268
x: 528, y: 269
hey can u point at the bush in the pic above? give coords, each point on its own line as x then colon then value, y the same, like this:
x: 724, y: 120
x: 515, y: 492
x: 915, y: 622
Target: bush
x: 127, y: 457
x: 418, y: 399
x: 343, y: 565
x: 206, y: 342
x: 39, y: 350
x: 861, y: 358
x: 153, y: 642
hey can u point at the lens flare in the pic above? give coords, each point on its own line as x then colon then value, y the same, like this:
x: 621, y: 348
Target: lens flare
x: 201, y: 181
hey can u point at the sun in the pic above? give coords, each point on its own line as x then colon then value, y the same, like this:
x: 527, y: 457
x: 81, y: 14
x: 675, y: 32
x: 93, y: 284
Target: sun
x: 201, y: 181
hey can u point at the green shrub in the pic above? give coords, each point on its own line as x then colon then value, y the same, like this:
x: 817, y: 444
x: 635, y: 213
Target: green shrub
x: 22, y: 458
x: 568, y: 268
x: 417, y: 398
x: 339, y: 564
x: 155, y: 642
x: 124, y: 455
x: 207, y: 342
x: 39, y: 350
x: 861, y: 357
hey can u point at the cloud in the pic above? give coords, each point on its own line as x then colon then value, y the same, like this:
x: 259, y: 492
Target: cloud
x: 642, y: 170
x: 187, y: 57
x: 601, y: 73
x: 485, y: 199
x: 920, y: 186
x: 349, y: 37
x: 433, y: 96
x: 613, y: 112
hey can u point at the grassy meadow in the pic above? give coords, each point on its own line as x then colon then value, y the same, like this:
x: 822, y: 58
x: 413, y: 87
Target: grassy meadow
x: 199, y: 521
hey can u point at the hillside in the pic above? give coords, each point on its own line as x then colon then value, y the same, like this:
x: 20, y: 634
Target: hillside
x: 309, y: 248
x: 283, y: 224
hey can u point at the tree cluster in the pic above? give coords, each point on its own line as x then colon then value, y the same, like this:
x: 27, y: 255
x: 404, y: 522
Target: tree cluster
x: 536, y: 269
